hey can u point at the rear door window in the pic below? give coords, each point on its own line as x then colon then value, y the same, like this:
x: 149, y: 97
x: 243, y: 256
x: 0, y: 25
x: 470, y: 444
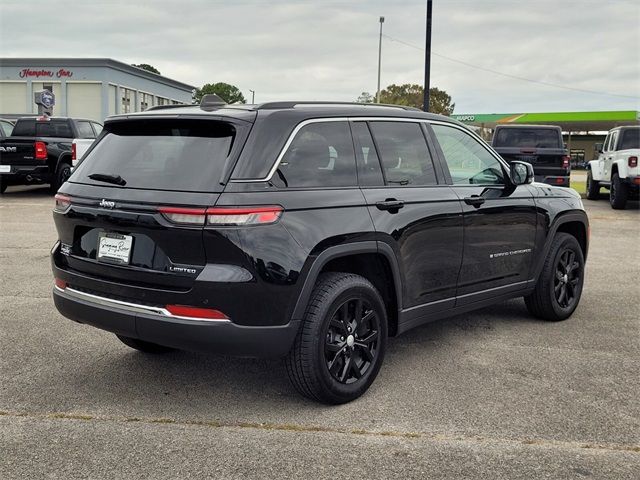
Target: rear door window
x: 85, y: 130
x: 181, y: 155
x: 527, y: 138
x: 406, y: 160
x: 320, y: 155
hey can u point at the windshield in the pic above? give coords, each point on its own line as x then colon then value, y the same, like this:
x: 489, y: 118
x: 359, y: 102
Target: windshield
x: 527, y: 138
x: 163, y: 154
x: 630, y: 139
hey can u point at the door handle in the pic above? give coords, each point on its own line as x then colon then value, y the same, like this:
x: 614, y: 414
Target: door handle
x: 475, y: 200
x: 390, y: 204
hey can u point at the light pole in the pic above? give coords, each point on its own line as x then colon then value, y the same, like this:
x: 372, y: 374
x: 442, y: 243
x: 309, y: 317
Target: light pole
x: 427, y: 58
x: 253, y: 96
x: 379, y: 59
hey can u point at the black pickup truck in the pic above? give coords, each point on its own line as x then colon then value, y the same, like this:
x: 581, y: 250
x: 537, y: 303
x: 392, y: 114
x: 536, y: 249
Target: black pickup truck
x: 539, y: 145
x: 39, y: 150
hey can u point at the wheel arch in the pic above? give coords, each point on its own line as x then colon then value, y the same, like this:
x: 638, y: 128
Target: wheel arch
x: 373, y: 260
x: 575, y: 223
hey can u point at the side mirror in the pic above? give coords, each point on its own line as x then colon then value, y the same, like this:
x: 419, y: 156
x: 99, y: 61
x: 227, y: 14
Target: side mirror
x: 599, y: 147
x: 521, y: 173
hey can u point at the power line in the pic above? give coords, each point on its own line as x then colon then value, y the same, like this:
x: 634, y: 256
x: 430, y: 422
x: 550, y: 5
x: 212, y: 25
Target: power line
x: 508, y: 75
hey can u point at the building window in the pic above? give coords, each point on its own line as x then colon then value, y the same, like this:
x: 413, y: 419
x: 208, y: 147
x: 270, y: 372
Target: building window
x: 146, y: 101
x: 162, y: 101
x: 48, y: 87
x: 127, y: 95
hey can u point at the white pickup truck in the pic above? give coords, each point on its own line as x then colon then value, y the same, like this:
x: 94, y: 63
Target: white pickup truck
x: 79, y: 147
x: 616, y: 167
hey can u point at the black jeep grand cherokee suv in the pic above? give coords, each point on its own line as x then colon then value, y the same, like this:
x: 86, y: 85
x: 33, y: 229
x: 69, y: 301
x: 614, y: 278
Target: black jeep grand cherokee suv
x: 308, y: 231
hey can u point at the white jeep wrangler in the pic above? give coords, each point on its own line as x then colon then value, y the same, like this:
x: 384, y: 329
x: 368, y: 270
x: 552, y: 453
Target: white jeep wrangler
x: 616, y: 168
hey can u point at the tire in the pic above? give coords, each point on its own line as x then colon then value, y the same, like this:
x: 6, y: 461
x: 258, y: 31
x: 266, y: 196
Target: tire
x: 593, y: 187
x: 563, y: 270
x: 141, y: 345
x: 619, y: 193
x: 63, y: 172
x: 3, y: 186
x: 328, y: 362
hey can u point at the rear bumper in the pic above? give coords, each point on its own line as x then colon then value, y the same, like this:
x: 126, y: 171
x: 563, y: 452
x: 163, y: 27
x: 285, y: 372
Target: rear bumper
x: 633, y: 181
x: 20, y: 174
x: 557, y: 180
x: 212, y: 336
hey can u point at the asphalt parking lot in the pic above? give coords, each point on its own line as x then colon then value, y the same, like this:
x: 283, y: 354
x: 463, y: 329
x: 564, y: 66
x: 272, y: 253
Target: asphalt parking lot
x: 493, y: 394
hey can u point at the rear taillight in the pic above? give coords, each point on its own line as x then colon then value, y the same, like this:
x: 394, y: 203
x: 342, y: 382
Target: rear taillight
x: 73, y: 152
x: 243, y: 215
x: 184, y: 216
x: 566, y: 161
x: 195, y: 312
x: 222, y: 216
x: 63, y: 202
x: 633, y: 162
x: 61, y: 284
x: 560, y: 180
x: 41, y: 150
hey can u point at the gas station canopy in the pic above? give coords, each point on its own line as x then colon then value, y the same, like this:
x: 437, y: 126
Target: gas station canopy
x: 568, y: 121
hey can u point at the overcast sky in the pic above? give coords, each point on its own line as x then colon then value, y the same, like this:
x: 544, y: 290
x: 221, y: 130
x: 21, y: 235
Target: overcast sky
x: 327, y: 50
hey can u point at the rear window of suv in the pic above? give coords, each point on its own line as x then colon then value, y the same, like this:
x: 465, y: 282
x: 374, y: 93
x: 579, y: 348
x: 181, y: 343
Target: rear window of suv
x: 630, y: 139
x: 527, y: 138
x: 181, y: 155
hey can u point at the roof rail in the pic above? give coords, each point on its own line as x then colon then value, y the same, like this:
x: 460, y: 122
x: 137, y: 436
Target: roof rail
x: 282, y: 105
x: 163, y: 107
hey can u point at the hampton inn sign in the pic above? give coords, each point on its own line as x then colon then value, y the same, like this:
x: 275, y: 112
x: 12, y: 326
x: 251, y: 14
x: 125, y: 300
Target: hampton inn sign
x: 42, y: 73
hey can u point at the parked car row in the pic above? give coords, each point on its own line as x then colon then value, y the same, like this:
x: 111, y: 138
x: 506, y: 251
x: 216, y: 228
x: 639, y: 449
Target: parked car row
x: 39, y: 150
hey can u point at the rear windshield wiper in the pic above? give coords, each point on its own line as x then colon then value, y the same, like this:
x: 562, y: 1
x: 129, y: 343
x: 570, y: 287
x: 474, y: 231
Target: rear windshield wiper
x: 105, y: 177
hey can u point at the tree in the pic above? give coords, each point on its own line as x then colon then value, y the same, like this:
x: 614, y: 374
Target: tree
x: 147, y: 67
x: 412, y: 95
x: 365, y: 97
x: 229, y: 93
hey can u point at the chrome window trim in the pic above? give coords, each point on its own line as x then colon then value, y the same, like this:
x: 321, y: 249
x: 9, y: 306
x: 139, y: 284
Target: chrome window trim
x: 310, y: 121
x: 131, y: 307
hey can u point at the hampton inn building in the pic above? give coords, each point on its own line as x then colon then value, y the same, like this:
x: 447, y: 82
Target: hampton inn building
x: 84, y: 87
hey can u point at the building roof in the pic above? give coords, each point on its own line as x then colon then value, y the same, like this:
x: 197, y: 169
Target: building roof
x: 94, y: 62
x: 574, y: 121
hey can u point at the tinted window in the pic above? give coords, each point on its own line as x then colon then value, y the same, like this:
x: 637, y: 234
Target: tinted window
x: 321, y: 155
x: 369, y: 171
x: 42, y: 128
x: 630, y: 139
x: 403, y: 149
x: 468, y: 160
x: 527, y: 137
x: 6, y: 128
x: 184, y: 155
x: 85, y: 130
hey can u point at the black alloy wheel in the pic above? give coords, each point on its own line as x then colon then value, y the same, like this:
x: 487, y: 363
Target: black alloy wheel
x: 567, y: 279
x: 559, y: 286
x: 351, y: 345
x: 341, y: 341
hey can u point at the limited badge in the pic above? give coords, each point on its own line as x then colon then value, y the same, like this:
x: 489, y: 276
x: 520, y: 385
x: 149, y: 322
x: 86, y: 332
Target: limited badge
x: 65, y: 249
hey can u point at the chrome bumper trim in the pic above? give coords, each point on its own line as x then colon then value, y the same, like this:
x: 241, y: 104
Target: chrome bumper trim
x: 131, y: 307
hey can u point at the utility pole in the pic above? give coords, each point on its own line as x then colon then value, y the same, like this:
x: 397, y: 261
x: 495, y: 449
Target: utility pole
x: 379, y: 59
x: 427, y: 58
x: 253, y: 96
